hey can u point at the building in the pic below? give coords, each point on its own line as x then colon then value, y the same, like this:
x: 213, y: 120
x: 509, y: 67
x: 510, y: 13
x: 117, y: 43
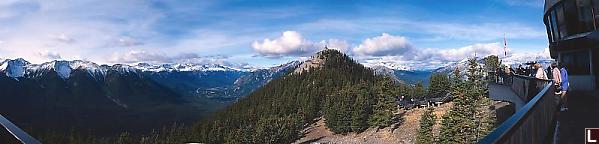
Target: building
x: 573, y: 33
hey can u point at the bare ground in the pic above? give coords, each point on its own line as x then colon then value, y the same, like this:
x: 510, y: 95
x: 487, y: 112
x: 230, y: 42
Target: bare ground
x: 405, y: 133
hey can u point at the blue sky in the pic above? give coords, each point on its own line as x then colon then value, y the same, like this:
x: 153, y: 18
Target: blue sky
x: 266, y: 33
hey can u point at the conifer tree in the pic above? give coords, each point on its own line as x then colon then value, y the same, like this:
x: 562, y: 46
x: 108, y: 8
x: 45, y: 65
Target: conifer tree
x: 125, y: 138
x: 383, y: 108
x: 419, y: 91
x: 459, y: 125
x: 427, y: 121
x: 439, y: 84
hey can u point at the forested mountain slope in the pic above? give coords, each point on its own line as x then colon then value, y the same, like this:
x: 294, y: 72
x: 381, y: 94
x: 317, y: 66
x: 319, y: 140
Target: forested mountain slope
x: 350, y: 96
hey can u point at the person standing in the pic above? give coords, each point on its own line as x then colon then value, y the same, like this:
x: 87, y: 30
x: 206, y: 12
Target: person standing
x: 556, y: 75
x: 550, y: 72
x: 540, y: 72
x: 520, y: 70
x: 507, y: 75
x: 565, y: 84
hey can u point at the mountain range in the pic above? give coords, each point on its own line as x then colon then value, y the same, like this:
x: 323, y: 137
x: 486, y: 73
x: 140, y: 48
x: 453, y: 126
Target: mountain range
x: 61, y: 95
x: 82, y: 95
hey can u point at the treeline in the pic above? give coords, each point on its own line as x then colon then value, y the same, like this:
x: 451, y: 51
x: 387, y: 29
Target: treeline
x: 470, y: 118
x: 355, y: 108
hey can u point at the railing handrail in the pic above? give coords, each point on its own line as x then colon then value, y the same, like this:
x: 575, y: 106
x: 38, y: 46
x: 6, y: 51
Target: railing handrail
x: 17, y: 132
x: 506, y: 127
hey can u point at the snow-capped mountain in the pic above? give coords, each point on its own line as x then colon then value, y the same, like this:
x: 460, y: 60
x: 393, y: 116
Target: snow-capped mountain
x: 450, y: 67
x: 14, y: 68
x: 17, y: 68
x: 388, y: 65
x: 185, y: 67
x: 253, y: 80
x: 57, y: 91
x: 206, y: 80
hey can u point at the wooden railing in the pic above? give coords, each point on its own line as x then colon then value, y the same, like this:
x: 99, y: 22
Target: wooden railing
x: 532, y: 123
x: 527, y: 87
x: 17, y: 132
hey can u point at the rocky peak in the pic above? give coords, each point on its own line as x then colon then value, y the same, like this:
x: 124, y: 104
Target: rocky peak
x: 316, y: 61
x: 14, y: 68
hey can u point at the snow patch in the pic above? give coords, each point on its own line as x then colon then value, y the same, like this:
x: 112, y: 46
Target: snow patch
x: 63, y: 69
x: 14, y: 68
x: 186, y: 67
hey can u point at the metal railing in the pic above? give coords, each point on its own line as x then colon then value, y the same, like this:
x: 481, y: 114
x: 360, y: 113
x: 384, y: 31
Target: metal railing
x: 17, y: 132
x: 532, y: 123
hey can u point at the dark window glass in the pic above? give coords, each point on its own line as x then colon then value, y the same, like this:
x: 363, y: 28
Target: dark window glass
x: 596, y: 12
x: 585, y: 15
x: 571, y: 14
x: 550, y: 28
x: 561, y: 21
x: 554, y: 25
x: 577, y: 63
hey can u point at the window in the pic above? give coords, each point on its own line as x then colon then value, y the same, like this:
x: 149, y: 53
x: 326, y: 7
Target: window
x: 550, y: 28
x: 596, y: 12
x: 585, y: 15
x: 571, y: 13
x: 554, y: 25
x: 561, y: 21
x: 577, y: 63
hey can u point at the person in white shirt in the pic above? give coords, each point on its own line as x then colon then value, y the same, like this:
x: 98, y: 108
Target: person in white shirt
x: 557, y: 77
x: 540, y: 72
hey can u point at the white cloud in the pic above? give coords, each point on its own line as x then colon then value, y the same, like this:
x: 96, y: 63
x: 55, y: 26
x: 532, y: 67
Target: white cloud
x: 430, y: 58
x: 384, y: 45
x: 136, y: 56
x: 399, y: 46
x: 49, y: 55
x: 291, y: 43
x: 481, y: 50
x: 521, y: 57
x: 337, y: 44
x: 127, y: 42
x: 64, y: 38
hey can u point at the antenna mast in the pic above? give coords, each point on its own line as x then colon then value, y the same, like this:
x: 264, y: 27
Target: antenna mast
x: 504, y: 46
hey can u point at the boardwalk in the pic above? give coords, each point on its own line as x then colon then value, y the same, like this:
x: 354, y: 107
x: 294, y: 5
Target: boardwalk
x: 583, y: 113
x: 504, y: 93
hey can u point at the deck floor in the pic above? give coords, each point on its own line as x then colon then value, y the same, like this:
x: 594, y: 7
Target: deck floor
x: 583, y: 112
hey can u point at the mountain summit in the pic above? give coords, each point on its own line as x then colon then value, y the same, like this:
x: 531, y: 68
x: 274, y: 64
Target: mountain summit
x: 315, y: 61
x: 331, y: 85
